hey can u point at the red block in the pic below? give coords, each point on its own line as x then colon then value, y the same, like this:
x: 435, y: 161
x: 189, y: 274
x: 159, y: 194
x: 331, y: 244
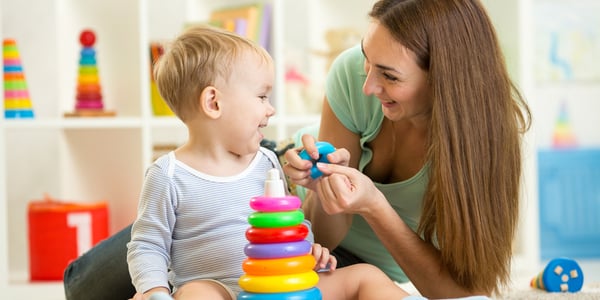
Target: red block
x: 59, y: 232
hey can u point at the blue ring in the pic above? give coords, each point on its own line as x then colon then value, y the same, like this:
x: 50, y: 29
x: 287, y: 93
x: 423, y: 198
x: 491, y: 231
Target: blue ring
x: 309, y: 294
x: 277, y: 250
x: 323, y: 148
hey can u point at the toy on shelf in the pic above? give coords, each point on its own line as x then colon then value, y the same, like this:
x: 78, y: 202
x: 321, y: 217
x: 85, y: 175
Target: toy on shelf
x: 296, y: 96
x: 559, y: 275
x: 61, y: 231
x: 89, y: 94
x: 279, y: 264
x: 563, y: 136
x: 338, y: 40
x: 324, y: 148
x: 17, y: 103
x: 159, y: 106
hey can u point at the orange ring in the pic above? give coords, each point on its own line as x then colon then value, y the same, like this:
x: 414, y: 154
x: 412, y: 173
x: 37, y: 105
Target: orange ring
x: 279, y: 266
x: 13, y: 76
x: 88, y: 88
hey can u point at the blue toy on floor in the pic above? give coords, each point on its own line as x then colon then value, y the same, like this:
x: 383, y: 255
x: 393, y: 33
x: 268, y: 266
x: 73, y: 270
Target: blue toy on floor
x: 560, y: 275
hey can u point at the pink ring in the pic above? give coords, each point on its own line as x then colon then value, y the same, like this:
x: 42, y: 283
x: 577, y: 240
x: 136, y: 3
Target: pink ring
x: 89, y: 104
x: 272, y: 204
x: 12, y: 62
x: 13, y: 94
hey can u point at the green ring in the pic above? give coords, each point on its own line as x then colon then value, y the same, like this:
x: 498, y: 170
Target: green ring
x: 276, y: 219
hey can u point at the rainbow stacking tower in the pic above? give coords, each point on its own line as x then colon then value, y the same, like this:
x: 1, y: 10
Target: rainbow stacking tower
x: 563, y: 136
x: 560, y: 275
x: 279, y: 264
x: 89, y: 93
x: 17, y: 103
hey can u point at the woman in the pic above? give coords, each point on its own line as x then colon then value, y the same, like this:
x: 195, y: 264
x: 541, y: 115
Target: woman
x: 425, y: 182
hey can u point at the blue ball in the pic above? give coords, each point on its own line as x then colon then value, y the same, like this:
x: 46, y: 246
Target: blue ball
x: 323, y: 148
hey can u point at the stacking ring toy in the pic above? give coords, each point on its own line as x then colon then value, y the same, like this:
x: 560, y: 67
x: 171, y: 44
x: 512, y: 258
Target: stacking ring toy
x: 276, y: 219
x: 279, y: 266
x: 272, y: 204
x: 310, y: 294
x: 323, y: 148
x: 276, y: 235
x: 278, y: 283
x: 277, y: 250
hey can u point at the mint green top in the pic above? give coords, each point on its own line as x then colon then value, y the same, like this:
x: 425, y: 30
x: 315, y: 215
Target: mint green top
x: 362, y: 114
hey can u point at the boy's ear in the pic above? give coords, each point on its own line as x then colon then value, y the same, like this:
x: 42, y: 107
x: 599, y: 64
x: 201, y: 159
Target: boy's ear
x: 209, y: 102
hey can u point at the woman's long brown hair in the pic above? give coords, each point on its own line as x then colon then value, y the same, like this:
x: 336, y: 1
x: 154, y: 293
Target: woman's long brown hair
x: 470, y: 209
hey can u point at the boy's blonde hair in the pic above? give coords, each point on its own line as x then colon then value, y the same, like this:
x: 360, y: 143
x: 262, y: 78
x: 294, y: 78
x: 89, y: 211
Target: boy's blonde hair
x: 196, y: 59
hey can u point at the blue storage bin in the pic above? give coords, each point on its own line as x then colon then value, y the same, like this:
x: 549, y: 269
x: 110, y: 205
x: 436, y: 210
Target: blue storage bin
x: 569, y: 202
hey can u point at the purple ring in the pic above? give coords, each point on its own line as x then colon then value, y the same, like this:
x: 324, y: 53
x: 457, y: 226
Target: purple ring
x: 277, y: 250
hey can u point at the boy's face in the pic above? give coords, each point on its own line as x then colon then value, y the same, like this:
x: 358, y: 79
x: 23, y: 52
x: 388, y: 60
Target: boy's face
x: 246, y: 103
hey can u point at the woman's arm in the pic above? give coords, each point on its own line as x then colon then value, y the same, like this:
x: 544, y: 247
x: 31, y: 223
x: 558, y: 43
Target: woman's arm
x: 348, y: 191
x: 329, y: 230
x: 420, y: 261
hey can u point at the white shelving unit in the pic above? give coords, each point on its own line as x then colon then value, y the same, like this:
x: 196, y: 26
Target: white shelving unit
x: 92, y: 159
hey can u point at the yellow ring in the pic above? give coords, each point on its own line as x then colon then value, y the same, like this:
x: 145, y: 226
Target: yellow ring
x: 279, y: 283
x: 279, y: 266
x: 88, y: 79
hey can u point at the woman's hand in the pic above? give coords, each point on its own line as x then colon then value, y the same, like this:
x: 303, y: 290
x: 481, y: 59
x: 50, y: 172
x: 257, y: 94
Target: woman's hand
x: 298, y: 169
x: 346, y: 190
x: 328, y: 230
x: 323, y: 258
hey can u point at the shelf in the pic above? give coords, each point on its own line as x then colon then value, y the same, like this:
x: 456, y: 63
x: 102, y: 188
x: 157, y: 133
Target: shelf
x: 28, y: 290
x: 74, y: 123
x: 167, y: 122
x: 294, y: 120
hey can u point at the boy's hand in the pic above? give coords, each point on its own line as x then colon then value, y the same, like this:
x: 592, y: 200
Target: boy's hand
x: 325, y: 262
x: 298, y: 170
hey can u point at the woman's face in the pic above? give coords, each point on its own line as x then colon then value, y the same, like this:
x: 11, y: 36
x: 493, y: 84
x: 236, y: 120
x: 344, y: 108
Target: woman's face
x: 393, y: 76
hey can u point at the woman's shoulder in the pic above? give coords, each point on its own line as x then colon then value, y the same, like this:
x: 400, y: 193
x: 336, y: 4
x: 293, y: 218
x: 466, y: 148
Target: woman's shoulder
x: 357, y: 111
x: 346, y: 76
x: 350, y: 59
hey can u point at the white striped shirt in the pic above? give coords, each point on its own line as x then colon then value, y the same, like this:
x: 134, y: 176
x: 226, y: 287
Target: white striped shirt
x: 192, y: 225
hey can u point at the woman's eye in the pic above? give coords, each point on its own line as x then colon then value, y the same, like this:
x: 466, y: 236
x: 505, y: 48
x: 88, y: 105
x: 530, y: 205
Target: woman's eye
x: 390, y: 77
